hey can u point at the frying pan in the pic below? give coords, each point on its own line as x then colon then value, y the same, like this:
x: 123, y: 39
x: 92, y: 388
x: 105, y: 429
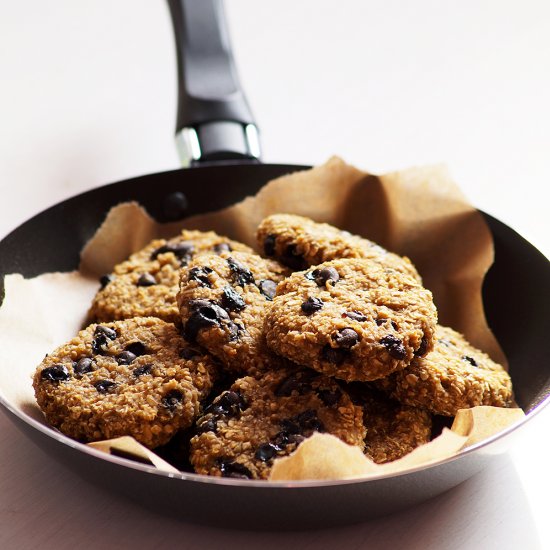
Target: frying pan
x: 219, y: 145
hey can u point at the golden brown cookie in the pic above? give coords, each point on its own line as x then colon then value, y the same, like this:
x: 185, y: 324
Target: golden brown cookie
x: 393, y: 429
x: 300, y: 242
x: 455, y: 375
x: 146, y: 284
x: 263, y: 418
x: 135, y: 377
x: 351, y: 319
x: 223, y: 300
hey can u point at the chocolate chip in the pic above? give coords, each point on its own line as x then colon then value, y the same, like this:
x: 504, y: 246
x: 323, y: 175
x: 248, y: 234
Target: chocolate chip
x: 105, y: 280
x: 108, y: 332
x: 220, y: 248
x: 291, y: 427
x: 185, y: 248
x: 422, y: 347
x: 336, y: 356
x: 55, y: 373
x: 292, y: 258
x: 99, y: 344
x: 301, y: 423
x: 470, y: 360
x: 230, y: 403
x: 325, y: 275
x: 283, y: 438
x: 234, y: 470
x: 200, y: 274
x: 101, y: 336
x: 194, y: 305
x: 83, y: 366
x: 311, y: 305
x: 268, y: 288
x: 355, y: 316
x: 172, y: 399
x: 144, y: 369
x: 345, y: 338
x: 394, y: 346
x: 183, y: 251
x: 330, y: 397
x: 233, y: 331
x: 241, y: 274
x: 207, y: 425
x: 137, y: 348
x: 265, y: 452
x: 215, y: 410
x: 205, y: 315
x: 380, y: 322
x: 164, y: 249
x: 269, y: 245
x: 214, y: 311
x: 308, y: 420
x: 125, y: 357
x: 230, y: 398
x: 280, y: 441
x: 394, y: 325
x: 146, y: 279
x: 232, y: 300
x: 104, y: 386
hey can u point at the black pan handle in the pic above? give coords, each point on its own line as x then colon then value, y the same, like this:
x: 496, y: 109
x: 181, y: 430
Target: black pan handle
x: 214, y: 121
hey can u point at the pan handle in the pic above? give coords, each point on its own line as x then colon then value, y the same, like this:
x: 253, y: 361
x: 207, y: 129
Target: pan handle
x: 214, y: 121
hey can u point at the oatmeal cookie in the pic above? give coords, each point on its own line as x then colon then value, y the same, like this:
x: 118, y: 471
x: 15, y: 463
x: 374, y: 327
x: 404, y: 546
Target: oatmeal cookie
x: 136, y: 377
x: 351, y: 319
x: 455, y: 375
x: 223, y: 300
x: 147, y: 283
x: 300, y: 242
x: 393, y: 429
x: 263, y: 418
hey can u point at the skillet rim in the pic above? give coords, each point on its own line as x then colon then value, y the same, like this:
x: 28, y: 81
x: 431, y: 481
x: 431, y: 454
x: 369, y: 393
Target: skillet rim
x: 295, y: 484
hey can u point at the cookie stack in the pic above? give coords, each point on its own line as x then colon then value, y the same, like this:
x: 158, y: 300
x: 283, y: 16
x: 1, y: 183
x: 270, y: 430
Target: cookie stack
x: 239, y: 357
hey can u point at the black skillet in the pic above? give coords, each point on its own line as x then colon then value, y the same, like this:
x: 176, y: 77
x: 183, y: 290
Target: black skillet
x: 219, y: 140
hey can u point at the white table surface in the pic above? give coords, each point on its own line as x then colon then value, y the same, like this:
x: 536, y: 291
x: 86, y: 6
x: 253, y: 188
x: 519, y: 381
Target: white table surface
x: 87, y: 96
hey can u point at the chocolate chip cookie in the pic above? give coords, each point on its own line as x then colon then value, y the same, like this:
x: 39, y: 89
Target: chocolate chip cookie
x: 351, y: 319
x: 136, y: 377
x: 147, y: 283
x: 262, y: 418
x: 393, y: 429
x: 223, y: 300
x: 455, y: 375
x: 299, y: 242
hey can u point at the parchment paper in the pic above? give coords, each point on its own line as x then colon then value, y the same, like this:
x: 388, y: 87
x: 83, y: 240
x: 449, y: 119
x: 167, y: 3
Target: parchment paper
x: 417, y: 212
x: 323, y: 456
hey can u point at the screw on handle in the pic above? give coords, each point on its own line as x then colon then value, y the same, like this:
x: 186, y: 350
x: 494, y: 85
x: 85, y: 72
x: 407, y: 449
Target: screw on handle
x: 214, y: 121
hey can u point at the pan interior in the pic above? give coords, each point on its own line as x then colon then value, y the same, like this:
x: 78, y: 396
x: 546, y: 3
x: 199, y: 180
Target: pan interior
x: 515, y: 291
